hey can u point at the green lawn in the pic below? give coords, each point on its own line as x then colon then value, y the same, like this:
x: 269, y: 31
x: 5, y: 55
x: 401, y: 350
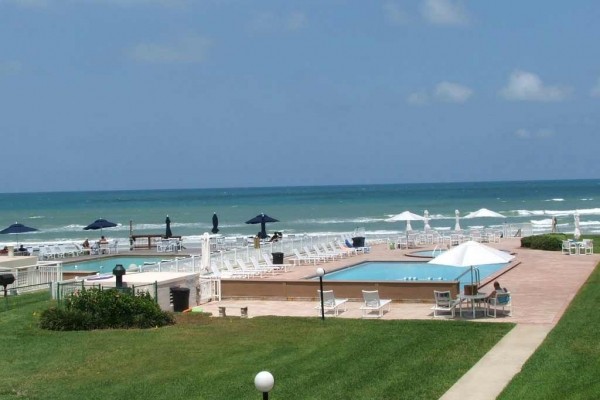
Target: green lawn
x: 217, y: 358
x: 567, y: 364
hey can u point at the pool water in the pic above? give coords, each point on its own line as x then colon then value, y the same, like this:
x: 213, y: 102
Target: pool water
x: 106, y: 265
x: 409, y: 271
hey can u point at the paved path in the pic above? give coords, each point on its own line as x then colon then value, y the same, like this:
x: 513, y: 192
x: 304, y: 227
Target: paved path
x: 542, y: 287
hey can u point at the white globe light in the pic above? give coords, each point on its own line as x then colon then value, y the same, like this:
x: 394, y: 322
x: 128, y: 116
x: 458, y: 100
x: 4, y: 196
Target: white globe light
x: 264, y: 381
x: 320, y: 272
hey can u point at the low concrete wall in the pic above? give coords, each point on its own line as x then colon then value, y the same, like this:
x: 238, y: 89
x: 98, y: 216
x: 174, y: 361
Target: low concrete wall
x: 307, y: 289
x: 18, y: 261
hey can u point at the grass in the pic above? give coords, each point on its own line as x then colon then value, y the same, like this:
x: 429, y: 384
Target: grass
x: 217, y: 358
x: 567, y: 364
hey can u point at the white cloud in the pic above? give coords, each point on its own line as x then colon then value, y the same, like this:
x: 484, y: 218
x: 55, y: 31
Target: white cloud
x: 269, y: 22
x: 9, y: 67
x: 595, y: 92
x: 445, y: 12
x: 394, y: 14
x: 452, y: 92
x: 527, y: 86
x: 418, y: 98
x: 447, y: 92
x: 543, y: 133
x: 191, y: 49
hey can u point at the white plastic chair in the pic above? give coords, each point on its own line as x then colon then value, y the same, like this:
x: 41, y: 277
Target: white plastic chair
x: 372, y: 302
x: 330, y: 303
x: 444, y: 303
x: 501, y: 301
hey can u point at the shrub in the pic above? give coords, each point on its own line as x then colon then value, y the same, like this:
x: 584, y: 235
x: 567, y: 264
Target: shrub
x: 551, y: 241
x: 100, y: 309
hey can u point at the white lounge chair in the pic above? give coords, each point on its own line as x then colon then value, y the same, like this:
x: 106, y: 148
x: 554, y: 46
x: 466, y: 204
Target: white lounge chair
x: 232, y: 270
x: 320, y: 253
x: 444, y: 303
x: 257, y: 267
x: 372, y: 302
x: 227, y: 274
x: 304, y: 259
x: 330, y: 303
x: 501, y: 301
x: 269, y: 263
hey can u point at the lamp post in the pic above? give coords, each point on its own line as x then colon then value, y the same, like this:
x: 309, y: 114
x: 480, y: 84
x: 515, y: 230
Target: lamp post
x: 264, y: 382
x: 320, y: 273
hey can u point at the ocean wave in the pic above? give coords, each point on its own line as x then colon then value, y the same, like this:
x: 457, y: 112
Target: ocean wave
x: 36, y: 217
x: 590, y: 199
x: 558, y: 199
x: 558, y: 213
x: 359, y: 220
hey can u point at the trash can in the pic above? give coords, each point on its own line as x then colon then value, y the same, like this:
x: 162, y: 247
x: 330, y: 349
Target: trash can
x: 277, y: 257
x: 358, y: 241
x: 181, y: 298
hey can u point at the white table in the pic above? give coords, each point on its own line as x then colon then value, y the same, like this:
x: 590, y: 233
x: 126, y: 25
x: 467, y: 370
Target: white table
x: 472, y: 298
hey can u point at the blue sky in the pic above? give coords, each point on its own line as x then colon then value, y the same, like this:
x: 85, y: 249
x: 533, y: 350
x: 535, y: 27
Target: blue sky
x: 135, y: 94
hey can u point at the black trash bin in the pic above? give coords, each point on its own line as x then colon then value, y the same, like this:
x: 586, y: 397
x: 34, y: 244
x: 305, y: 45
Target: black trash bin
x: 277, y: 257
x: 358, y: 241
x: 181, y: 298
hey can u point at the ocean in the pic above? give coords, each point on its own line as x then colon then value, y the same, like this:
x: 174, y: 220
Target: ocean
x: 61, y: 216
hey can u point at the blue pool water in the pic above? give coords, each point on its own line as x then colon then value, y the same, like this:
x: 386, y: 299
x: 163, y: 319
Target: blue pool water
x: 427, y: 253
x: 409, y: 271
x: 107, y: 264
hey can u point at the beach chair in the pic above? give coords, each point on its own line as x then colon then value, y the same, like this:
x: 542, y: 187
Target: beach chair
x: 303, y: 259
x: 238, y: 271
x: 372, y: 303
x: 264, y: 268
x: 319, y: 253
x: 113, y: 246
x: 502, y: 301
x: 330, y: 303
x: 227, y: 274
x: 269, y: 263
x: 587, y: 246
x: 444, y: 303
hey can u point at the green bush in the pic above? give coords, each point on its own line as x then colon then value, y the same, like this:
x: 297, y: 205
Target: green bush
x: 100, y: 309
x: 551, y: 241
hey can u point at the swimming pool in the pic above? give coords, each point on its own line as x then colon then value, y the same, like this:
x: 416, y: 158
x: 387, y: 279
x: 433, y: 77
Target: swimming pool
x: 409, y: 271
x: 107, y: 264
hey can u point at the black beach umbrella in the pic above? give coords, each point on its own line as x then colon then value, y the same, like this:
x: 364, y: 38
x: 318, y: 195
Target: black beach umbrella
x: 17, y: 228
x: 168, y: 233
x: 215, y: 221
x: 100, y: 224
x: 262, y: 219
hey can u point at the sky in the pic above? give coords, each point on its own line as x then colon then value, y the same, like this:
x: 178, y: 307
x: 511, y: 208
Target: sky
x: 160, y: 94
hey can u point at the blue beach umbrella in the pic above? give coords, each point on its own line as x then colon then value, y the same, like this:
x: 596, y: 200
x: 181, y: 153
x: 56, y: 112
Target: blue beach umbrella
x: 100, y: 224
x: 168, y: 233
x: 262, y: 219
x: 17, y: 228
x: 215, y: 222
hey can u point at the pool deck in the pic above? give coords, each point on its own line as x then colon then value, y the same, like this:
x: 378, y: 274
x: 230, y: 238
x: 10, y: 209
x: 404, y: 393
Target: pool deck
x: 535, y: 312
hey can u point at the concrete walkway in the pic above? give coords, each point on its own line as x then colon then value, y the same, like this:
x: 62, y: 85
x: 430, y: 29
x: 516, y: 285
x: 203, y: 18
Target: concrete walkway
x: 535, y: 314
x: 487, y: 378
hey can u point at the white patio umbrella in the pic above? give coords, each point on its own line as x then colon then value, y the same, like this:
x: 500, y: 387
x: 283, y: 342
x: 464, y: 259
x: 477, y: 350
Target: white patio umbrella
x: 577, y: 232
x: 406, y: 216
x: 457, y: 223
x: 484, y: 213
x: 471, y: 253
x: 205, y: 262
x: 427, y: 227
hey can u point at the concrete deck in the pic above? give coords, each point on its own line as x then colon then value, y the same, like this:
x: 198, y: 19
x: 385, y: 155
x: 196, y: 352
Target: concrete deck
x: 534, y: 312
